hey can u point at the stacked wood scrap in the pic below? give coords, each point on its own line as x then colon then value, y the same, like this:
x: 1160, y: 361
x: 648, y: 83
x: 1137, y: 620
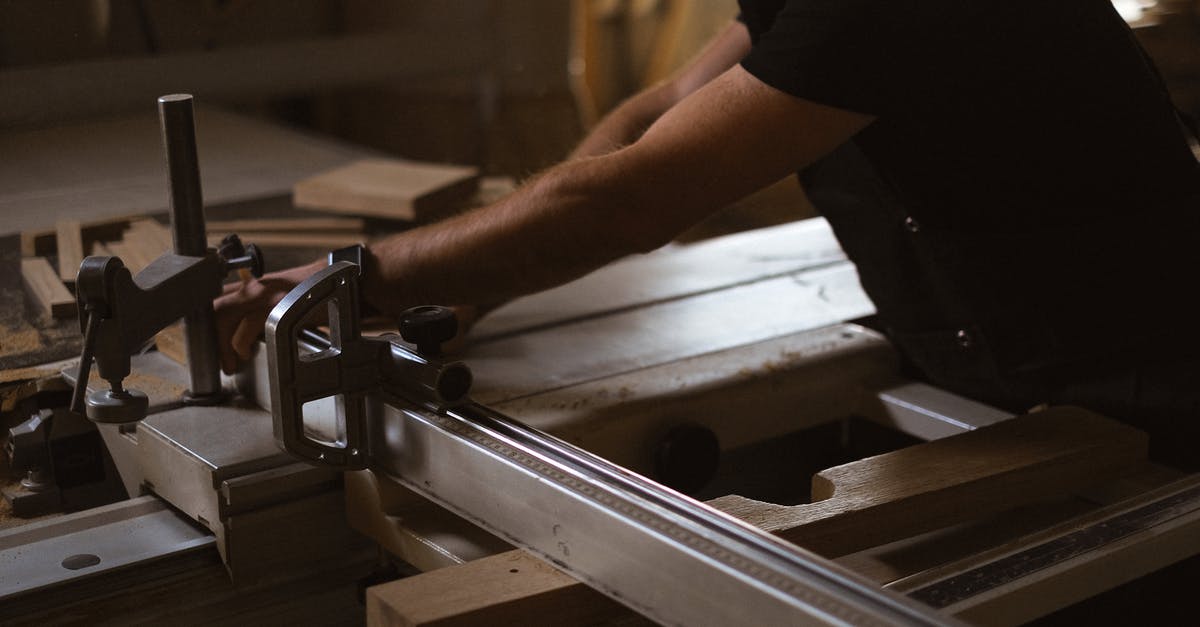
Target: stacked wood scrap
x: 136, y: 240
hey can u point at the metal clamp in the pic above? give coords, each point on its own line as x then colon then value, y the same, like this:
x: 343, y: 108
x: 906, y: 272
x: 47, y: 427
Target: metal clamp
x: 302, y: 369
x: 347, y: 369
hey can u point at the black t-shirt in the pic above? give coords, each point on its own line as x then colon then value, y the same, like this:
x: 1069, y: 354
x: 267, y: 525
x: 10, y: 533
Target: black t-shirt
x: 1047, y: 195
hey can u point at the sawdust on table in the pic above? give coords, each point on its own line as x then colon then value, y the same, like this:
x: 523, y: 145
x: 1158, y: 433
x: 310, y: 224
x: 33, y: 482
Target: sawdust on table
x: 16, y: 341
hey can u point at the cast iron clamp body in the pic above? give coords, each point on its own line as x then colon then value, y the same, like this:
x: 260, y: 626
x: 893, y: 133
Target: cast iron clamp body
x: 120, y: 312
x: 303, y: 367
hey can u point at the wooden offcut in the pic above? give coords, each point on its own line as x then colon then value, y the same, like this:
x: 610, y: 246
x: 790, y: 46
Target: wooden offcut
x: 69, y: 242
x: 941, y: 483
x: 397, y: 190
x: 46, y: 289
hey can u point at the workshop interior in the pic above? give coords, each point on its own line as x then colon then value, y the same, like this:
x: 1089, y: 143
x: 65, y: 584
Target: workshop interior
x: 716, y: 432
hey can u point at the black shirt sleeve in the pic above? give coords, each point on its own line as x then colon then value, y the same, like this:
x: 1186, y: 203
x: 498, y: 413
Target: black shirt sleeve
x: 860, y: 55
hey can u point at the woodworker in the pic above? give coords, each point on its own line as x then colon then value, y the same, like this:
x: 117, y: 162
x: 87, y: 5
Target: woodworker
x: 1010, y: 178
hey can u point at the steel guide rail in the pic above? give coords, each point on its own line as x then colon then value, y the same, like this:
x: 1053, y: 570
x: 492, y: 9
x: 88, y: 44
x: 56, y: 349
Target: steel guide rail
x: 707, y: 567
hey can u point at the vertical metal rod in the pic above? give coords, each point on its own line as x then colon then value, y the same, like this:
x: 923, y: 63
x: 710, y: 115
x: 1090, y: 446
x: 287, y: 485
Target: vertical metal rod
x: 175, y: 113
x: 177, y: 118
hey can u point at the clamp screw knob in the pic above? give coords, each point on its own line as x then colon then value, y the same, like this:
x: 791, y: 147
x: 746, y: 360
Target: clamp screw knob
x: 428, y: 326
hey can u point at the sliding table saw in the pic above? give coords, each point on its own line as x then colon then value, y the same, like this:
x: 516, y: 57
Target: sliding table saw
x: 696, y: 366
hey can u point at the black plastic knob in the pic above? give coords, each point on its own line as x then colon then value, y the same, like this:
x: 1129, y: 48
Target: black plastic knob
x: 428, y: 326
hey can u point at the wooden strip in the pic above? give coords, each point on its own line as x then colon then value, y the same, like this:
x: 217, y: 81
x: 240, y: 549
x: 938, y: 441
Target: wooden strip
x: 325, y: 241
x: 100, y: 249
x: 69, y: 243
x: 388, y: 188
x: 280, y: 225
x: 48, y: 292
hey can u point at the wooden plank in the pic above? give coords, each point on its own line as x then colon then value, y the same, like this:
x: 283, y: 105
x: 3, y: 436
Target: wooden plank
x: 388, y: 188
x: 670, y: 273
x: 511, y: 588
x: 69, y: 243
x: 48, y: 292
x: 936, y: 484
x: 868, y: 502
x: 600, y: 347
x: 286, y: 225
x: 285, y: 239
x: 1051, y: 569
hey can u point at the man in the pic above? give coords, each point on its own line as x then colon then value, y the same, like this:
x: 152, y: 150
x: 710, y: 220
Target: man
x: 1022, y: 211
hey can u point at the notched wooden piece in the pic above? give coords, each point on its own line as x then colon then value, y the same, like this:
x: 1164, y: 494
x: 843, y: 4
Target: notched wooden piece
x: 964, y: 477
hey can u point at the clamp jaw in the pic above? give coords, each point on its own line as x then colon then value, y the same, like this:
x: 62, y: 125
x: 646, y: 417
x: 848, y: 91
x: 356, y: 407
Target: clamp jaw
x: 303, y: 368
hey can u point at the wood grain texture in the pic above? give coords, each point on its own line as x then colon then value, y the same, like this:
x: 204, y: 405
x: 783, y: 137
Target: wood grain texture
x: 512, y: 588
x: 936, y: 484
x: 45, y: 288
x: 388, y: 188
x: 69, y: 243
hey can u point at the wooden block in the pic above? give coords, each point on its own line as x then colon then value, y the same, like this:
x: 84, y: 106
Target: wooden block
x: 69, y: 242
x: 44, y: 286
x: 397, y: 190
x: 280, y: 225
x: 868, y: 502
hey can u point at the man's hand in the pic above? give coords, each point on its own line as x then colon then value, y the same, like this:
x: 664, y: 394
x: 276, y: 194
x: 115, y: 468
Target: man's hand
x: 243, y: 308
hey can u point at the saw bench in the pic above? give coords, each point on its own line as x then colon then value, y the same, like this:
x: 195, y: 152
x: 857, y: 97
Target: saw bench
x: 822, y: 485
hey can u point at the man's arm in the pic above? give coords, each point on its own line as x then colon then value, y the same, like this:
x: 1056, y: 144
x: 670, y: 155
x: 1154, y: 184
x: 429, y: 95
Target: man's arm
x: 623, y: 125
x: 729, y: 138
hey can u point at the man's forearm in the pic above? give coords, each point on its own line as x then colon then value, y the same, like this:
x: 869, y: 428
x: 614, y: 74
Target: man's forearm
x: 625, y: 124
x: 555, y: 228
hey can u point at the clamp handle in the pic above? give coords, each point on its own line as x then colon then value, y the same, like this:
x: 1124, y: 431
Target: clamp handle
x: 348, y: 369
